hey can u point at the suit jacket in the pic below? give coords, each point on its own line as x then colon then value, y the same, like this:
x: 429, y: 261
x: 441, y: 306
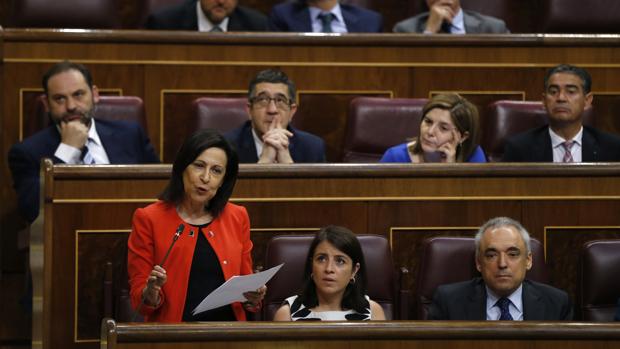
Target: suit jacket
x: 124, y: 142
x: 467, y: 301
x: 535, y: 146
x: 295, y: 17
x: 303, y: 146
x: 475, y: 23
x: 150, y: 238
x: 183, y: 17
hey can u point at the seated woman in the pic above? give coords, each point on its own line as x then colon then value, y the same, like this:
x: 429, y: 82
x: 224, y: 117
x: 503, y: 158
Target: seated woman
x: 449, y: 132
x: 212, y: 243
x: 335, y: 282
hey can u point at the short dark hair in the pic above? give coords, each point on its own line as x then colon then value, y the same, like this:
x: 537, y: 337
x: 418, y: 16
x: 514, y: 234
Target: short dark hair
x: 64, y: 66
x: 586, y: 79
x: 343, y: 239
x: 272, y: 76
x: 193, y: 146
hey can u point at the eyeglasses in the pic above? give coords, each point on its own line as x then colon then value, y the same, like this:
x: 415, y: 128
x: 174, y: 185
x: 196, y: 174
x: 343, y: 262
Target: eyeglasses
x: 263, y: 101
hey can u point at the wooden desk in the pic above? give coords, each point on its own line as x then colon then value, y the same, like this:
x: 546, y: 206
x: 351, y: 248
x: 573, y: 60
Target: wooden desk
x: 88, y: 210
x: 370, y: 335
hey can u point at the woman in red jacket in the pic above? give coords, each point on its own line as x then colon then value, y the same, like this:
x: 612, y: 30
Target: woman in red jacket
x: 214, y: 244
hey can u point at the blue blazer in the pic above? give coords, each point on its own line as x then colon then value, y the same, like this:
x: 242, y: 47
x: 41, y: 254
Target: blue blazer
x: 399, y: 153
x: 295, y: 17
x: 303, y: 146
x: 125, y: 143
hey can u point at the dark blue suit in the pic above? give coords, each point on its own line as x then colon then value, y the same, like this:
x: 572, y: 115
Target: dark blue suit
x: 295, y: 17
x: 535, y: 146
x: 303, y: 146
x: 124, y: 142
x: 467, y: 301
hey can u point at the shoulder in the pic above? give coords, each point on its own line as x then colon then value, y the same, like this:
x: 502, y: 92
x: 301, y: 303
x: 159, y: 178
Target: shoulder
x: 172, y: 17
x: 235, y: 210
x: 248, y: 19
x: 249, y: 12
x: 459, y: 288
x: 601, y: 135
x: 288, y: 7
x: 235, y: 134
x: 546, y: 290
x: 157, y: 209
x: 410, y: 25
x: 488, y: 24
x: 529, y: 135
x: 477, y: 155
x: 376, y: 310
x: 360, y: 11
x: 397, y: 153
x: 306, y: 136
x: 119, y: 125
x: 39, y: 143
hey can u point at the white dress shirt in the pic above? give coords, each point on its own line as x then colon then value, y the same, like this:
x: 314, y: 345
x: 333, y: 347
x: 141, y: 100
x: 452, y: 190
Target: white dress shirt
x: 338, y: 24
x: 72, y: 155
x: 559, y: 150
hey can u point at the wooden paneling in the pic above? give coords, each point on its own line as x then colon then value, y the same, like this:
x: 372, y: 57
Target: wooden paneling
x: 368, y: 335
x: 89, y: 210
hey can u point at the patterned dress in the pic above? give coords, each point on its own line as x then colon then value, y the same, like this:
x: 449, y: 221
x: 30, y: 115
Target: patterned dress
x: 299, y: 312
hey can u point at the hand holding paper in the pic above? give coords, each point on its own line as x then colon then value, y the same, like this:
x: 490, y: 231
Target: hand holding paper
x: 234, y: 288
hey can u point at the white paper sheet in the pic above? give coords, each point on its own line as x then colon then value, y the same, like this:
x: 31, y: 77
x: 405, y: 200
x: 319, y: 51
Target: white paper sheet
x: 233, y: 289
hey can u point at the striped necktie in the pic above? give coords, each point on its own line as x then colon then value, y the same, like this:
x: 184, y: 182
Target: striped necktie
x: 568, y: 156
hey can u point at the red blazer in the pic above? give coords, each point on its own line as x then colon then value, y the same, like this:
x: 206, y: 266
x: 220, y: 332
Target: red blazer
x: 150, y: 238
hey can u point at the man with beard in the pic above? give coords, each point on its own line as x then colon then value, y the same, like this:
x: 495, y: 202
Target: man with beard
x: 208, y: 16
x: 74, y: 136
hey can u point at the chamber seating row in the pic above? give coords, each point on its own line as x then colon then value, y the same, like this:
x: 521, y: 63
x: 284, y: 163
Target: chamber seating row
x: 374, y: 124
x: 524, y: 16
x: 444, y: 260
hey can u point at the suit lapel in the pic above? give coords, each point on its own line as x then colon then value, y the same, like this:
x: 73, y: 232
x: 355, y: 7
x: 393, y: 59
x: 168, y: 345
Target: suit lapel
x: 234, y: 24
x: 471, y: 23
x: 109, y: 142
x: 533, y: 306
x: 301, y: 18
x: 475, y: 309
x: 589, y: 148
x: 247, y: 148
x: 542, y: 146
x: 350, y: 21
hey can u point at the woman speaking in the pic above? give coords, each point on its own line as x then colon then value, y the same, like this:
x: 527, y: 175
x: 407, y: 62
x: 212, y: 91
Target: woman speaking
x: 200, y: 238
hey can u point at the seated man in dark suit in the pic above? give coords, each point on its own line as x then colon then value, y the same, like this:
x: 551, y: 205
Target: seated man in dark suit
x: 503, y: 255
x: 323, y: 16
x: 447, y: 16
x: 565, y: 139
x: 268, y: 136
x: 74, y: 136
x: 208, y: 16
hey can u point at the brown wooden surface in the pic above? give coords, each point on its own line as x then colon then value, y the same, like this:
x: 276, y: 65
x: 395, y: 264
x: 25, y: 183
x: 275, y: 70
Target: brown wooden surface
x: 88, y: 214
x: 371, y: 335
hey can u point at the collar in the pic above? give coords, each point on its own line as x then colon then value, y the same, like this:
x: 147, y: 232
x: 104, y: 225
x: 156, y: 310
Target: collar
x: 205, y: 25
x: 458, y: 23
x: 516, y: 298
x: 336, y: 11
x: 93, y: 136
x: 556, y: 140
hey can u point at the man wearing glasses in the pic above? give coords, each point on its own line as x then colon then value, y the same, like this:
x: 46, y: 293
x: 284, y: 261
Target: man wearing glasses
x: 268, y: 138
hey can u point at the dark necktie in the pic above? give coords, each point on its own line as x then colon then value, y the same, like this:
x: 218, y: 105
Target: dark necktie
x: 504, y: 305
x: 216, y: 29
x: 445, y: 28
x: 87, y: 157
x: 326, y: 22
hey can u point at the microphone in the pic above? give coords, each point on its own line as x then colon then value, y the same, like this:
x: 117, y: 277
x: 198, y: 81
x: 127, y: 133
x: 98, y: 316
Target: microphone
x: 175, y: 237
x: 178, y: 233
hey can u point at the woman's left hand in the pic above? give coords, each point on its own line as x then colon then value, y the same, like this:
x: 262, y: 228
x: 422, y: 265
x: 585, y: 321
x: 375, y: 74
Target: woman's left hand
x: 255, y: 298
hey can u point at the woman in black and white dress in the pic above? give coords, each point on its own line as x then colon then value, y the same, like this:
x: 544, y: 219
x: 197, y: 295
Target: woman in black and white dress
x: 335, y: 282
